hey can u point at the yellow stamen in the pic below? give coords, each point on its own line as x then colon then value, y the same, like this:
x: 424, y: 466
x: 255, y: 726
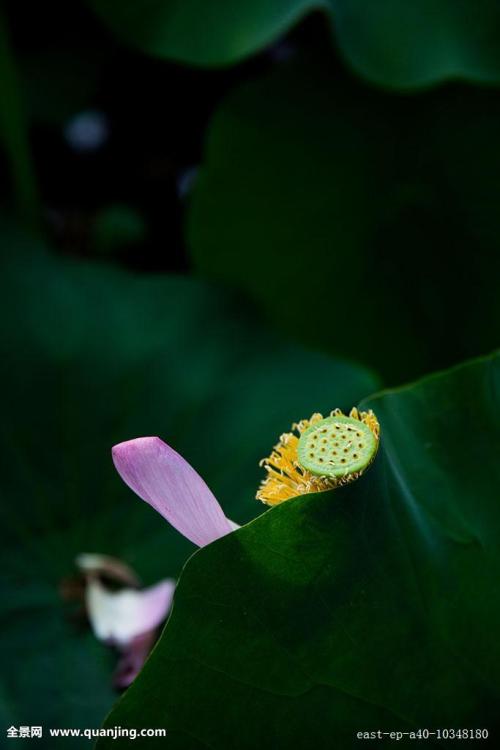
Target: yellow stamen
x: 287, y: 478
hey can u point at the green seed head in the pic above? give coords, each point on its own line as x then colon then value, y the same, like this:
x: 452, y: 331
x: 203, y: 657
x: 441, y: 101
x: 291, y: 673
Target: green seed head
x: 337, y: 446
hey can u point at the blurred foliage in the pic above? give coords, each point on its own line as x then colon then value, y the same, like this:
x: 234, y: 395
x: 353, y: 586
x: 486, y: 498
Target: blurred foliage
x: 390, y: 42
x: 92, y: 356
x: 220, y: 32
x: 118, y: 227
x: 55, y: 673
x: 58, y: 82
x: 372, y: 606
x: 362, y: 222
x: 14, y: 132
x: 410, y: 44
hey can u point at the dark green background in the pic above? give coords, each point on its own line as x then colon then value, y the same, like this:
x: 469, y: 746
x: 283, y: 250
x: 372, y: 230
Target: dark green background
x: 291, y: 206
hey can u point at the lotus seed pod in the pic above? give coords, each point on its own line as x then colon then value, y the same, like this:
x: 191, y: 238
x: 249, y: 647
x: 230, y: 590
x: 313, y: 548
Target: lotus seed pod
x: 337, y: 446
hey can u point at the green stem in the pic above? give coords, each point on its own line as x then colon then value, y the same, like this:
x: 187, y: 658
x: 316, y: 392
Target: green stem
x: 14, y: 132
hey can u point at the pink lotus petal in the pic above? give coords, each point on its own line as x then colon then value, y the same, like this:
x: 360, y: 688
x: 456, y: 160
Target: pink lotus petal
x: 161, y: 477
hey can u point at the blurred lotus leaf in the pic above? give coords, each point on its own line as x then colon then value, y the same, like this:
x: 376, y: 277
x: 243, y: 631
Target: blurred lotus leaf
x: 360, y: 221
x: 92, y: 355
x: 390, y: 42
x: 373, y: 606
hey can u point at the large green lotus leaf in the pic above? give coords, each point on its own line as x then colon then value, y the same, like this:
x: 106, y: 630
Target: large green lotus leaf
x: 375, y: 606
x: 201, y: 33
x: 390, y: 42
x: 92, y: 355
x: 408, y: 44
x: 358, y: 220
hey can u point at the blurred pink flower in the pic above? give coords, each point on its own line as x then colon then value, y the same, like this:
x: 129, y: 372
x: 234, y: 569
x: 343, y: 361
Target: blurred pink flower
x: 126, y: 619
x: 117, y: 617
